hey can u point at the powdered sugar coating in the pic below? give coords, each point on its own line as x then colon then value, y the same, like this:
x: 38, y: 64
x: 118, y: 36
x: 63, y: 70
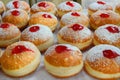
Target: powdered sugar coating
x: 41, y: 13
x: 70, y: 19
x: 1, y: 4
x: 96, y: 52
x: 69, y: 33
x: 10, y: 5
x: 8, y: 13
x: 43, y: 33
x: 37, y: 8
x: 11, y: 30
x: 104, y: 34
x: 63, y: 6
x: 52, y: 48
x: 96, y: 6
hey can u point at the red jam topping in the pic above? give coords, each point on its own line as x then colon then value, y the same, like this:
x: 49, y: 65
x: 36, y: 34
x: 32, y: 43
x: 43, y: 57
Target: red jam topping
x: 110, y: 54
x: 34, y: 28
x: 69, y: 4
x: 61, y: 48
x: 42, y: 4
x: 75, y: 14
x: 77, y: 27
x: 19, y: 49
x: 104, y: 15
x: 4, y: 25
x: 47, y: 16
x: 15, y: 3
x: 112, y: 29
x: 15, y: 12
x: 100, y: 2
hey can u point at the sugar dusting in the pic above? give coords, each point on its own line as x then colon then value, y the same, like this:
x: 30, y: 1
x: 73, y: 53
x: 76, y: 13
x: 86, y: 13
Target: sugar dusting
x: 68, y: 32
x: 8, y: 13
x: 43, y: 34
x: 96, y: 6
x: 10, y: 5
x: 36, y: 7
x: 96, y: 52
x: 8, y: 31
x: 63, y: 6
x: 69, y: 19
x: 104, y: 34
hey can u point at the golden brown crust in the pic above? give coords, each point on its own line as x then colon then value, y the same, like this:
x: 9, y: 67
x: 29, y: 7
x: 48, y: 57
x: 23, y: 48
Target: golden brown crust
x: 117, y: 8
x: 99, y: 65
x: 65, y: 60
x: 20, y: 21
x: 10, y: 61
x: 51, y: 8
x: 99, y: 40
x: 23, y: 75
x: 39, y: 19
x: 96, y: 20
x: 97, y: 77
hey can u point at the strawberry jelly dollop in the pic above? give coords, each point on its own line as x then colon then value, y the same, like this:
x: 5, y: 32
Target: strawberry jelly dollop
x: 15, y: 3
x: 15, y: 13
x: 112, y: 29
x: 110, y: 54
x: 19, y: 49
x: 75, y: 14
x: 77, y: 27
x: 47, y: 16
x: 43, y: 4
x: 61, y: 48
x: 34, y: 28
x: 104, y: 15
x: 69, y: 4
x: 4, y: 25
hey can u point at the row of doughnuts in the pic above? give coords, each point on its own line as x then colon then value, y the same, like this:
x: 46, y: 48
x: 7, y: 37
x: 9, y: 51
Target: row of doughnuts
x: 45, y: 6
x: 20, y: 18
x: 61, y: 60
x: 75, y: 34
